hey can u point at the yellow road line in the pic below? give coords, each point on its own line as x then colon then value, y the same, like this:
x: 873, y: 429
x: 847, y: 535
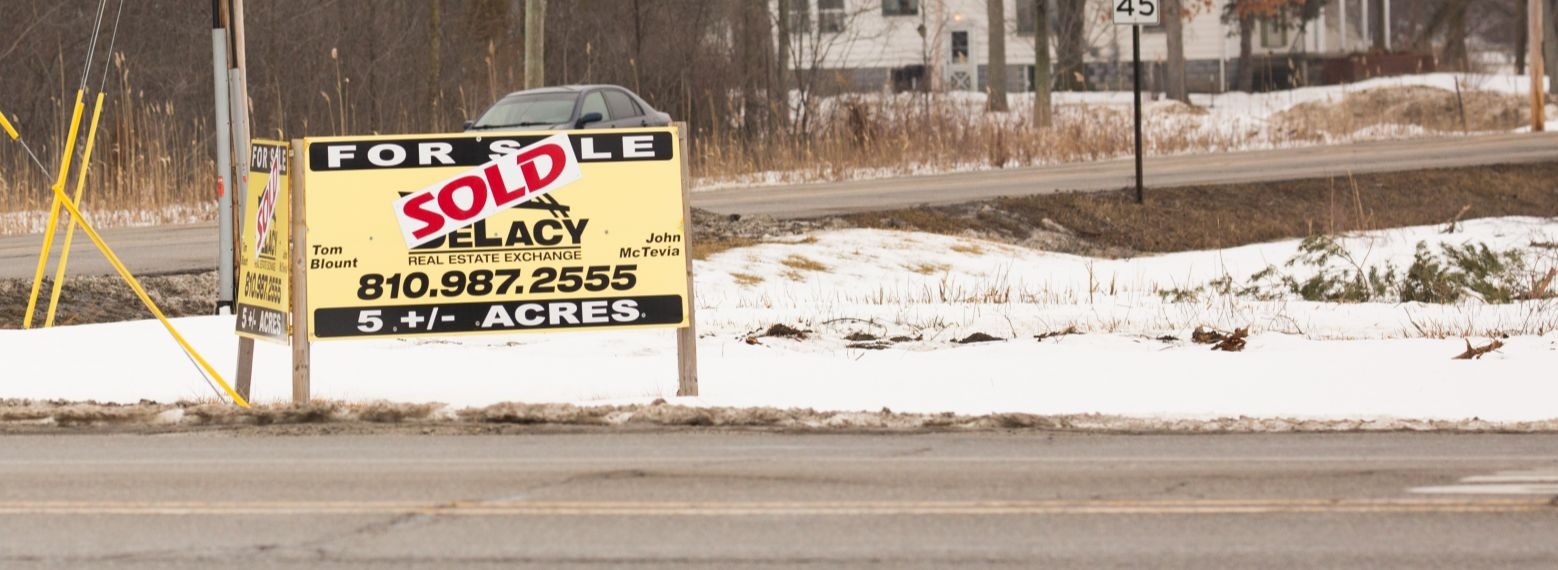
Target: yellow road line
x: 782, y: 508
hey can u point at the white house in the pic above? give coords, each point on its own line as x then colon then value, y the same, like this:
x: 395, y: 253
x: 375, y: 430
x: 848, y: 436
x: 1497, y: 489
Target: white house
x: 923, y: 43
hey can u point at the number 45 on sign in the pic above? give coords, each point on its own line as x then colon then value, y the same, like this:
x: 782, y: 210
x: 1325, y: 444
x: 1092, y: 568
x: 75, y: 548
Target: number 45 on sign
x: 1137, y: 13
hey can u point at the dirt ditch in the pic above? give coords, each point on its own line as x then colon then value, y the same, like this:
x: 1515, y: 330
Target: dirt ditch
x: 1111, y: 224
x: 328, y: 417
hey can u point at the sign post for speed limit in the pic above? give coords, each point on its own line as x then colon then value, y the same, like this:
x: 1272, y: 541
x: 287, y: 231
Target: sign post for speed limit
x: 1137, y: 13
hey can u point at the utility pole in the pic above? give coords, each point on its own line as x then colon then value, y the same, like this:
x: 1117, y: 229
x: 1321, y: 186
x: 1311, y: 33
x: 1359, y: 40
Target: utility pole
x: 224, y: 159
x: 535, y: 44
x: 233, y: 121
x: 1538, y: 26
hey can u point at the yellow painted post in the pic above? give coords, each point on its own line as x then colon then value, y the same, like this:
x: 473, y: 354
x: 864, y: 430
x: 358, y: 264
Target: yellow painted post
x: 70, y: 231
x: 9, y: 130
x: 54, y: 210
x: 135, y: 285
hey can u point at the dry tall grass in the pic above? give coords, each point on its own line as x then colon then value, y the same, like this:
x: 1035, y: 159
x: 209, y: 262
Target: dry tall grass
x: 153, y: 163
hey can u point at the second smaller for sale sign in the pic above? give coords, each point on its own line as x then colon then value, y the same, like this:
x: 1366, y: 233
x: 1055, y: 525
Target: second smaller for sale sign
x: 265, y: 255
x: 469, y: 234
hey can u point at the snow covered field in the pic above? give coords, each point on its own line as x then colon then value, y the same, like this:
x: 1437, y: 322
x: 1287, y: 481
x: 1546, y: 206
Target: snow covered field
x: 883, y: 310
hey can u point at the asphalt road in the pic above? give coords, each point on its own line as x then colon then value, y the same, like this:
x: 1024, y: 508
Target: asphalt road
x: 189, y: 248
x: 1161, y: 172
x: 716, y: 499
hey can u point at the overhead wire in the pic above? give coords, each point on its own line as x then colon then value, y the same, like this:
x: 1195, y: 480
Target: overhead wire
x: 102, y: 84
x: 112, y: 41
x: 97, y: 30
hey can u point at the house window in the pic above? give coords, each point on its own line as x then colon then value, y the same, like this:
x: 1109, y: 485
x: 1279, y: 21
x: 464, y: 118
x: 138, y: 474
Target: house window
x: 959, y: 47
x: 1273, y: 33
x: 830, y: 16
x: 900, y: 7
x: 800, y: 17
x: 1026, y: 20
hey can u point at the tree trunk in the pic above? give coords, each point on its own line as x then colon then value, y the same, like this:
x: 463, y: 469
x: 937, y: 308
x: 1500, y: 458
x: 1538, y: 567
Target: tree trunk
x: 1174, y: 26
x: 1246, y: 78
x: 1550, y: 51
x: 535, y: 44
x: 1454, y: 52
x: 995, y: 81
x: 1043, y: 113
x: 435, y: 24
x: 1522, y: 35
x: 781, y: 91
x: 1381, y: 26
x: 1073, y: 44
x: 752, y: 48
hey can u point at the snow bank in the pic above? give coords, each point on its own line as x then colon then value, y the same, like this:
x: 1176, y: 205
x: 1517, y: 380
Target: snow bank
x: 1306, y: 360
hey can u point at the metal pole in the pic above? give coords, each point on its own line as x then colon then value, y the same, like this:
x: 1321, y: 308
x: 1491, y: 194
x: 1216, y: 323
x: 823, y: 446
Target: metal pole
x: 1141, y: 196
x: 224, y: 166
x: 238, y: 98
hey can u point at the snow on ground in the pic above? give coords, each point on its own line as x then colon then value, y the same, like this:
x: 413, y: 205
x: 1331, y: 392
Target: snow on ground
x: 931, y: 289
x: 1238, y: 105
x: 36, y: 221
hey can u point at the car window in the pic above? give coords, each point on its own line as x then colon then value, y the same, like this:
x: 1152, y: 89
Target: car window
x: 528, y: 110
x: 594, y: 103
x: 621, y: 105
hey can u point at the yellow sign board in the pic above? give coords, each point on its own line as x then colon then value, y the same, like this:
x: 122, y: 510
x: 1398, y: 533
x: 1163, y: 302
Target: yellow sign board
x: 494, y: 233
x: 263, y: 298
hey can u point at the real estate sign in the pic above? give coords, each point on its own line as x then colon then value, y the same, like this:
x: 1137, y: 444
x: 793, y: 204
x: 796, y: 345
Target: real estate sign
x: 265, y: 252
x: 494, y: 233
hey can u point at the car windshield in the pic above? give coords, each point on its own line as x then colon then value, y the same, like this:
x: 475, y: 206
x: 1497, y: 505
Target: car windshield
x: 529, y: 110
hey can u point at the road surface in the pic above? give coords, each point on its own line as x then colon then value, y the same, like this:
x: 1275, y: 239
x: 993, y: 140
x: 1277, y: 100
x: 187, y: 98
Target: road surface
x: 190, y: 248
x: 719, y: 499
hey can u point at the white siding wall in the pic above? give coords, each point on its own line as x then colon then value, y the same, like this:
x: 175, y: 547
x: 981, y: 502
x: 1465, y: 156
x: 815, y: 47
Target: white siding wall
x: 872, y: 40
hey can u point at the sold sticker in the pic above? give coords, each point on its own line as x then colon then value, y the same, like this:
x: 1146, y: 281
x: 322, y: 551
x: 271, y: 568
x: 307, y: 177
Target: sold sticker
x: 476, y: 194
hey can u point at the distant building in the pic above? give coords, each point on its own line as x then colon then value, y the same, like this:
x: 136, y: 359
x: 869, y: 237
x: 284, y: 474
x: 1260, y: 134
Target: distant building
x: 925, y: 44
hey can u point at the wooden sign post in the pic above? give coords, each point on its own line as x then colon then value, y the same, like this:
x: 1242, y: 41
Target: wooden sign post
x: 687, y: 337
x: 302, y: 352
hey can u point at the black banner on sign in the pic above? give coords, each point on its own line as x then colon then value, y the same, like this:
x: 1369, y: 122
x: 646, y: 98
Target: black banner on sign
x: 264, y: 323
x: 454, y: 318
x: 444, y: 151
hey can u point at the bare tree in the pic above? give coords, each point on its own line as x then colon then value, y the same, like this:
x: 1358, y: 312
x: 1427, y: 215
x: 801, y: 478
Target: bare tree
x: 1043, y: 111
x: 995, y: 82
x: 435, y: 40
x: 1551, y: 47
x: 1071, y: 15
x: 1379, y: 23
x: 818, y: 43
x: 781, y: 91
x: 535, y: 44
x: 754, y: 51
x: 1246, y: 74
x: 1174, y: 26
x: 1449, y: 18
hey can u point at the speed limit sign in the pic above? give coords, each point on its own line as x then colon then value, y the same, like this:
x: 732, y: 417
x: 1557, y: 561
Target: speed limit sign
x: 1137, y: 12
